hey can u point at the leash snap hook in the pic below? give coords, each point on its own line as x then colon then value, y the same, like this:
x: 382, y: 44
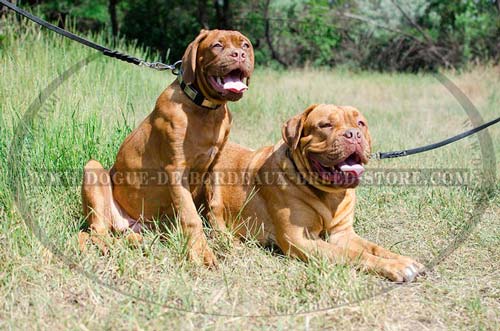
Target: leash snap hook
x: 176, y: 70
x: 156, y: 65
x: 159, y: 66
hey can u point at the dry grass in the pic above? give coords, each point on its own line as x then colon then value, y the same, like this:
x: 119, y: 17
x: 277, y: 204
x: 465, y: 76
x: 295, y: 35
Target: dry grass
x: 46, y: 284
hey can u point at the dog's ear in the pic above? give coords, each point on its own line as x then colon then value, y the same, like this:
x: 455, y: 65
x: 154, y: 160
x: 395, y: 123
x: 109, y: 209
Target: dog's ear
x: 368, y: 138
x: 292, y: 129
x: 189, y: 58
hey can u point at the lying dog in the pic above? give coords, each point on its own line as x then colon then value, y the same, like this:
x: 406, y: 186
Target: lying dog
x: 300, y: 193
x: 185, y: 132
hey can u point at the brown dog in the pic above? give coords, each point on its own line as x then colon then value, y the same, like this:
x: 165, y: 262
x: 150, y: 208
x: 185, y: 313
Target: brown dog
x: 300, y: 193
x: 188, y: 126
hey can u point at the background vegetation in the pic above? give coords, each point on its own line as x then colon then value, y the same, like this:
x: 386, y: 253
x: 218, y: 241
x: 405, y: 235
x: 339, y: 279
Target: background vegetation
x: 367, y: 34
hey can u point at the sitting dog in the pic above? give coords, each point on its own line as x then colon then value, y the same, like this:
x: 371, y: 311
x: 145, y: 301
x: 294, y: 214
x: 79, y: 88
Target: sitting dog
x: 184, y: 134
x: 300, y: 193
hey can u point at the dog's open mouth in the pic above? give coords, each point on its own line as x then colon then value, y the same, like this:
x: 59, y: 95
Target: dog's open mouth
x: 231, y: 82
x: 345, y: 173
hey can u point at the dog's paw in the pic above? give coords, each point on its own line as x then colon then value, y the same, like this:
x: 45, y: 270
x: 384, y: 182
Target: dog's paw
x: 134, y: 240
x: 209, y: 259
x: 202, y: 255
x: 83, y: 240
x: 100, y: 240
x: 402, y: 270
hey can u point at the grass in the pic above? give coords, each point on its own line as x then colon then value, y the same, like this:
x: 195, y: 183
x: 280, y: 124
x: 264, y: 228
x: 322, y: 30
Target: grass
x: 45, y: 283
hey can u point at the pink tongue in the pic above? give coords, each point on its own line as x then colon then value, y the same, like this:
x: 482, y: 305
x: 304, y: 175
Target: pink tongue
x: 234, y: 84
x: 356, y: 169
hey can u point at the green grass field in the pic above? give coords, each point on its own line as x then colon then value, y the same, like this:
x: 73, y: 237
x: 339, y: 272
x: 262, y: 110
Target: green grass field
x: 45, y: 283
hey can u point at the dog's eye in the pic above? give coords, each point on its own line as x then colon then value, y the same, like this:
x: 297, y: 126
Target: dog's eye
x: 217, y: 45
x: 245, y: 45
x: 325, y: 125
x: 361, y: 123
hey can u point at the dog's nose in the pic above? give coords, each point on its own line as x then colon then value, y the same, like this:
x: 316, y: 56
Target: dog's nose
x: 353, y: 135
x: 238, y: 54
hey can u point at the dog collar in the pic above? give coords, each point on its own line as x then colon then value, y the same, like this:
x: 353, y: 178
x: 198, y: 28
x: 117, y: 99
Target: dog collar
x: 195, y: 95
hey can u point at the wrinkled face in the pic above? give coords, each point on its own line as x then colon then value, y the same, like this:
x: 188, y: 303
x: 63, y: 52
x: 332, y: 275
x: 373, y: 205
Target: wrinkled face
x: 219, y: 63
x: 334, y: 141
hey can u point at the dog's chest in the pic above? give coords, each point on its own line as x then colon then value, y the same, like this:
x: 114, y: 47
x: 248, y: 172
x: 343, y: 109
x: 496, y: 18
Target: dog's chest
x: 205, y: 158
x: 208, y: 141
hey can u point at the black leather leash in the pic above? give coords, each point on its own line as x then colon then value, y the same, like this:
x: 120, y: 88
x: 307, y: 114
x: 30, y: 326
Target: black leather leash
x: 175, y: 68
x: 105, y: 51
x: 390, y: 155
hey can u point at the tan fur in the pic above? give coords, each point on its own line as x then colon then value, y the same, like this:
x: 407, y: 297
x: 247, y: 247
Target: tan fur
x: 302, y: 215
x: 175, y: 140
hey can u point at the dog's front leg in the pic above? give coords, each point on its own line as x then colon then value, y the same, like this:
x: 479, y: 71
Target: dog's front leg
x: 215, y: 202
x: 360, y: 243
x: 394, y: 266
x: 191, y: 223
x: 303, y: 246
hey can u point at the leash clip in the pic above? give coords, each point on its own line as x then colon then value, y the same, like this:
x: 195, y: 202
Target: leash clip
x: 156, y: 65
x: 177, y: 70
